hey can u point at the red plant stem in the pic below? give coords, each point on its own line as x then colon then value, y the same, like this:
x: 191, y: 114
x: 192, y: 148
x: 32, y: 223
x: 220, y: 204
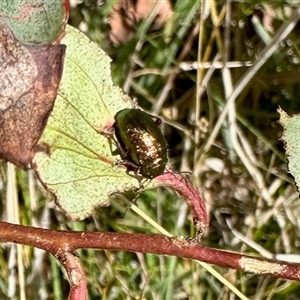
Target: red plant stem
x: 77, y: 278
x: 59, y: 242
x: 192, y: 196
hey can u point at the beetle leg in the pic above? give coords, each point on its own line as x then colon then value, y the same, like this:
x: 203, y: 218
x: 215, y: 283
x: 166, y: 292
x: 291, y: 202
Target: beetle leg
x: 131, y: 167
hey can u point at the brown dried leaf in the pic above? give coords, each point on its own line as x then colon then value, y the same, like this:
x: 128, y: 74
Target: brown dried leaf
x: 29, y: 79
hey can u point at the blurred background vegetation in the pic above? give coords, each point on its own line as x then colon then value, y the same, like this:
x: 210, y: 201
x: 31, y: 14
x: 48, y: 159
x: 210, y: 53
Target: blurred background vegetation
x: 242, y: 173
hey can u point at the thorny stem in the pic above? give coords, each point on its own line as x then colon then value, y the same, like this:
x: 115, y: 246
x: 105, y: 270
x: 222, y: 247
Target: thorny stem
x: 63, y: 244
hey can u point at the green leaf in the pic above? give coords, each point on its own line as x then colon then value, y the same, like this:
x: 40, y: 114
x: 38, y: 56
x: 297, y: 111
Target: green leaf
x: 291, y: 138
x: 34, y: 21
x: 75, y: 161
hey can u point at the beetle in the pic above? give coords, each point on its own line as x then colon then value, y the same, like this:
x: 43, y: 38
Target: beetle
x: 141, y: 143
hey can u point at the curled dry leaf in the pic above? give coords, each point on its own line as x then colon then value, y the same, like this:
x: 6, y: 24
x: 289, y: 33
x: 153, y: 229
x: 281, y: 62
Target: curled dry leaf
x: 29, y: 79
x: 126, y: 14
